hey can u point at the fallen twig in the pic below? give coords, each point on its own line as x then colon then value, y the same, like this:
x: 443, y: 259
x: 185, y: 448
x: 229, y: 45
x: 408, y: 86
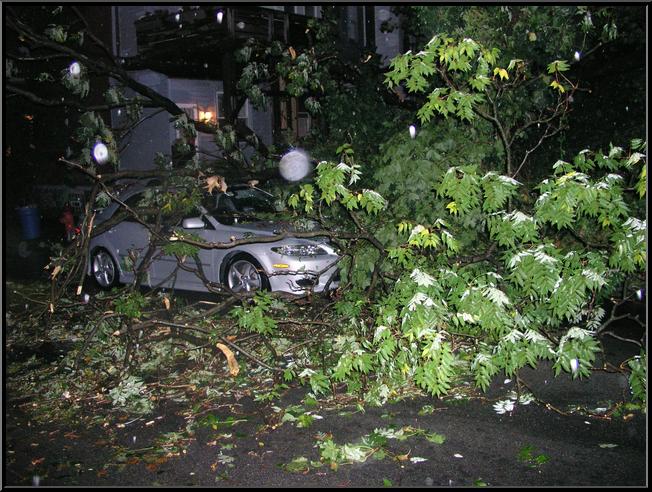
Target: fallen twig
x: 624, y: 339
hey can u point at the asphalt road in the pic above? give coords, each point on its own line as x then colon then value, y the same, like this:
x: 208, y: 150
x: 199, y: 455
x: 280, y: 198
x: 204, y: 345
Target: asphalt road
x: 480, y: 446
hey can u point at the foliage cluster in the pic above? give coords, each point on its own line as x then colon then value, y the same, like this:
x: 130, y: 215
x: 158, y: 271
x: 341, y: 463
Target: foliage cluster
x: 525, y: 302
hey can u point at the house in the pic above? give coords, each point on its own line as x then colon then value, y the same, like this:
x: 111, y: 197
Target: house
x: 186, y: 54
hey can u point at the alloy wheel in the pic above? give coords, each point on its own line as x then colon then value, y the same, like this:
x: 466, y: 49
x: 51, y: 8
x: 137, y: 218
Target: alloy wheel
x: 243, y: 276
x: 104, y: 270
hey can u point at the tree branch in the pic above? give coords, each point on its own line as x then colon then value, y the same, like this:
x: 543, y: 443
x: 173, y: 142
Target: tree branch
x: 90, y: 33
x: 69, y: 102
x: 119, y: 73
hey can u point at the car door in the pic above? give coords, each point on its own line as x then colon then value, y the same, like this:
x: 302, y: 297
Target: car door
x: 169, y: 268
x: 130, y: 240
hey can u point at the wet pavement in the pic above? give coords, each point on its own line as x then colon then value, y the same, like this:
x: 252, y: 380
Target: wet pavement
x: 479, y: 447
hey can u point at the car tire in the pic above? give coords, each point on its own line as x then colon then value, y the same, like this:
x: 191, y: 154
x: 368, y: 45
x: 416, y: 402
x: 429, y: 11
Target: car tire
x: 244, y: 274
x: 104, y: 269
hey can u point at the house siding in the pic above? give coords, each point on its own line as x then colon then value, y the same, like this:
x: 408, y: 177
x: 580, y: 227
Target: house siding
x: 262, y: 122
x: 202, y: 93
x: 139, y: 147
x: 388, y: 44
x: 157, y: 133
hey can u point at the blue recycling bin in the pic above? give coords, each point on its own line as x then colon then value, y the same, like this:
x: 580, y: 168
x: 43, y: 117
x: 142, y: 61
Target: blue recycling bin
x: 30, y: 221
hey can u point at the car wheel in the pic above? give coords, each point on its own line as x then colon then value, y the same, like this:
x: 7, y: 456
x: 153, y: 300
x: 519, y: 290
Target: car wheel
x: 244, y: 274
x: 104, y: 269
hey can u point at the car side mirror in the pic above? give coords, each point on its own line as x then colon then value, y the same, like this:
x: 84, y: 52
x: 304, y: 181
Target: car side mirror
x: 193, y: 223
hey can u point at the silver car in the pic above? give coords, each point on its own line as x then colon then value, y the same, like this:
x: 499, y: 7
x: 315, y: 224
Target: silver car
x: 291, y: 264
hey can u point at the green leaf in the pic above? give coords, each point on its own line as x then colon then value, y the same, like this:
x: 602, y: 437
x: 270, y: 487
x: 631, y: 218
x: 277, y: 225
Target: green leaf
x: 298, y: 465
x: 436, y: 438
x: 558, y: 66
x: 641, y: 185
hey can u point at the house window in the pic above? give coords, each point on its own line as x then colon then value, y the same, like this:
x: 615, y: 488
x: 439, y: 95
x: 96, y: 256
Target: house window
x: 313, y: 11
x: 304, y: 121
x: 352, y: 23
x: 243, y: 115
x: 357, y: 25
x: 309, y: 10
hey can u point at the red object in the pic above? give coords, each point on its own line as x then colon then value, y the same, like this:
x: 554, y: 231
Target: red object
x: 67, y: 219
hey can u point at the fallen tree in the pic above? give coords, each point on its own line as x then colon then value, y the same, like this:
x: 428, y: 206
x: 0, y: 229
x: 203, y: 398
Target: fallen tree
x: 473, y: 274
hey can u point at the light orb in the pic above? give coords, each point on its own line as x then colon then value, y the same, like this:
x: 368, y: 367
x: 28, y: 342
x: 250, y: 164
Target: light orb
x: 100, y: 153
x: 75, y: 69
x: 295, y: 165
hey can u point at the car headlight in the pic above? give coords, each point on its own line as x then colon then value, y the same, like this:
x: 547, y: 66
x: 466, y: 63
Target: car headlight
x: 300, y: 250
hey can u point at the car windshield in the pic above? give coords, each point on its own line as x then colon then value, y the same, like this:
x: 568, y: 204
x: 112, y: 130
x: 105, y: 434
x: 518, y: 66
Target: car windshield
x: 239, y: 200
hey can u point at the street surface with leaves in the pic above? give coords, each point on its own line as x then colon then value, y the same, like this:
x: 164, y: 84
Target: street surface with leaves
x: 200, y: 425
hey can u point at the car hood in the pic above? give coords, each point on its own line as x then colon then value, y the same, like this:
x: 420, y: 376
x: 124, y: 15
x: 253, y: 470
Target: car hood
x: 273, y: 227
